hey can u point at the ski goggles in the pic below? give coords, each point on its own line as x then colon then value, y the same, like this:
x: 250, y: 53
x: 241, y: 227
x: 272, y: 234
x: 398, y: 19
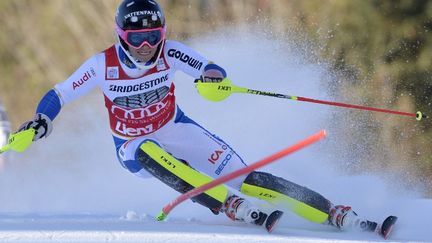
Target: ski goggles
x: 138, y: 38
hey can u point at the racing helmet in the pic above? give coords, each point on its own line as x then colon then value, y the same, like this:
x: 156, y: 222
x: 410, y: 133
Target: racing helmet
x: 139, y: 23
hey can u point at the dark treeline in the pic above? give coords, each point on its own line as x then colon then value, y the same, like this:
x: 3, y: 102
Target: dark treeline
x: 382, y: 51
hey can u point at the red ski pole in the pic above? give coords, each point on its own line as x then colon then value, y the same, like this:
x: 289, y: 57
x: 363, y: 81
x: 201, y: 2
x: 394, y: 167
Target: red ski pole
x: 222, y: 90
x: 418, y: 115
x: 306, y: 142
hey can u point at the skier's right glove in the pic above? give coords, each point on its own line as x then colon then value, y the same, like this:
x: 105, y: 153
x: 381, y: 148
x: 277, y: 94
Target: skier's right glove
x: 41, y: 123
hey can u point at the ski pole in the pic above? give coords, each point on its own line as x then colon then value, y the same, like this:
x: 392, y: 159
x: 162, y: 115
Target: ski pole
x: 19, y: 141
x: 221, y: 91
x: 308, y: 141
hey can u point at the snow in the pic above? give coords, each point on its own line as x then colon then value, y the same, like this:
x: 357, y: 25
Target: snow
x: 70, y: 187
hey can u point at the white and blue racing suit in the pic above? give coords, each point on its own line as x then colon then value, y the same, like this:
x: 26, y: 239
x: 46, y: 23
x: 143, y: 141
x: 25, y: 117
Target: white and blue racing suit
x: 141, y: 105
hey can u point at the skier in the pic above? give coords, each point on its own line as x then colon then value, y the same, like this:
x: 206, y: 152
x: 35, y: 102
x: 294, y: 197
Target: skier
x: 4, y: 126
x: 154, y: 137
x: 5, y: 129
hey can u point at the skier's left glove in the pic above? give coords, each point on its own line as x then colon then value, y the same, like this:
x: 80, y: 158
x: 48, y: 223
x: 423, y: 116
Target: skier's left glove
x: 213, y: 73
x: 207, y: 85
x: 41, y: 123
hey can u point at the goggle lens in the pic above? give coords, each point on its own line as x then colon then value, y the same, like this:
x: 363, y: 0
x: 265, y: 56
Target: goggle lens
x: 137, y: 39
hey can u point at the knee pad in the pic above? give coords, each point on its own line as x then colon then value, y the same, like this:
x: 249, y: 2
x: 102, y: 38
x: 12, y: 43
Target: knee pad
x: 178, y: 175
x: 127, y: 157
x: 276, y: 190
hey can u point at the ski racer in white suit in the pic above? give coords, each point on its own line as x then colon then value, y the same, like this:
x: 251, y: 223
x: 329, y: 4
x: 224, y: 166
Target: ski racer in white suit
x: 136, y: 76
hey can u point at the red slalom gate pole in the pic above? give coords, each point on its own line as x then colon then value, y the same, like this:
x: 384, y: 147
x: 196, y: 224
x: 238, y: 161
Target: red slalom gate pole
x: 306, y: 142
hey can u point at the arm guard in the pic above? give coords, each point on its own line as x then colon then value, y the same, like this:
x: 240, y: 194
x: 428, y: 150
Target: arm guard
x: 50, y: 104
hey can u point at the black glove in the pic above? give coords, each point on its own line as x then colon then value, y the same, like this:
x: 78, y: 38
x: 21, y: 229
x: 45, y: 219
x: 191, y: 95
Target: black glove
x: 41, y: 123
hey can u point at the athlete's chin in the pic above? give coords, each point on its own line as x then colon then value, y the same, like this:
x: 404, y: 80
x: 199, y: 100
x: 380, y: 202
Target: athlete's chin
x: 144, y: 59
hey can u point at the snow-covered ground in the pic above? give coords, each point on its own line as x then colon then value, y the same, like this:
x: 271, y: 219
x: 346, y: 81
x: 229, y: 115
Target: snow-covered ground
x: 70, y: 187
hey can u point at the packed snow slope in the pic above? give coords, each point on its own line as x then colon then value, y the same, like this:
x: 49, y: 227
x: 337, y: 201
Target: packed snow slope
x: 70, y: 186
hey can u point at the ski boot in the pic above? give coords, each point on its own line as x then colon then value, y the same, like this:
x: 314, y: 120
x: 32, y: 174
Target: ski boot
x: 239, y: 209
x: 342, y: 217
x: 345, y: 218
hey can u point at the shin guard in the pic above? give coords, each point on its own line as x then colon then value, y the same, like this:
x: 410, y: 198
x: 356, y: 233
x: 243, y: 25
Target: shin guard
x: 276, y: 190
x: 179, y: 176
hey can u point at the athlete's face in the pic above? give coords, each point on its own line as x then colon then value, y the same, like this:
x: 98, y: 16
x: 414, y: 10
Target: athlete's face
x: 143, y: 54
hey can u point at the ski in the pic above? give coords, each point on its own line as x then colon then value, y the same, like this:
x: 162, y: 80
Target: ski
x: 383, y: 229
x: 387, y: 226
x: 272, y: 220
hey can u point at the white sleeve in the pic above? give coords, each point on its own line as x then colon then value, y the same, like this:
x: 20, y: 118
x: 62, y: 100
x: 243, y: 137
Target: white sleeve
x: 184, y: 58
x: 83, y: 80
